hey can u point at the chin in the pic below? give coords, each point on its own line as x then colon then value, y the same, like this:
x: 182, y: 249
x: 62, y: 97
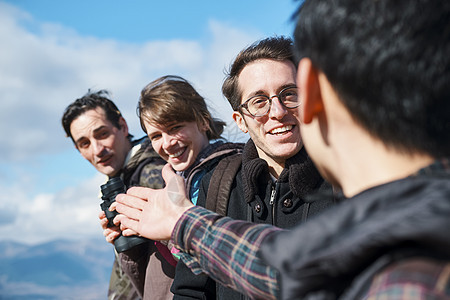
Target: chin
x: 290, y: 150
x: 109, y: 171
x: 180, y: 167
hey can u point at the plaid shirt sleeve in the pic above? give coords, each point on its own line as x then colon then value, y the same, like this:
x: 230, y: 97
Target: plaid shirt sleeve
x: 416, y: 278
x: 227, y: 250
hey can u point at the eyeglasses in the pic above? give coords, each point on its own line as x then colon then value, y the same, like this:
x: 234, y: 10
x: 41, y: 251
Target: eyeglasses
x: 259, y: 105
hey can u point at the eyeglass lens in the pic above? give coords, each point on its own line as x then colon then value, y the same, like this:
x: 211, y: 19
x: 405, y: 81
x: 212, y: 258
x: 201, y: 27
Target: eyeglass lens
x: 260, y: 105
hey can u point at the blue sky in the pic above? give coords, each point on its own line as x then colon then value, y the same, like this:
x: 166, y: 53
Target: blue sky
x: 53, y: 51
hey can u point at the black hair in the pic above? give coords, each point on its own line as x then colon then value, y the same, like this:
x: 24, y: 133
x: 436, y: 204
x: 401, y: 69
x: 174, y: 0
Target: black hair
x: 277, y: 48
x: 389, y: 62
x: 91, y: 100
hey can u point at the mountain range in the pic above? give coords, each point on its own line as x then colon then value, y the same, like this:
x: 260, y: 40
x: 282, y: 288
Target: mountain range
x: 55, y: 270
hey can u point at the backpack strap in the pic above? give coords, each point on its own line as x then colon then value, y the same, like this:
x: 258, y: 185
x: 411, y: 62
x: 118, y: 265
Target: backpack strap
x: 219, y: 188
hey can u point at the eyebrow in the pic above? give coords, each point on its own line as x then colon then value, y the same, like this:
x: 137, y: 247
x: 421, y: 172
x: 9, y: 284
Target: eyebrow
x: 261, y: 92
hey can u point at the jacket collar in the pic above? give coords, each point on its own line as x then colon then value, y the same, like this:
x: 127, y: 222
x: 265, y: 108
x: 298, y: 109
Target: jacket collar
x: 299, y: 172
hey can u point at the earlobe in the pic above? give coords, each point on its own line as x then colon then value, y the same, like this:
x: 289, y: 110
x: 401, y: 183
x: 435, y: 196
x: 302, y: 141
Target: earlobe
x: 309, y: 89
x: 239, y: 119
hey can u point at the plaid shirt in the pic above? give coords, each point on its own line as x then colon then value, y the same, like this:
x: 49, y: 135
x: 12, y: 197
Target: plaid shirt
x: 416, y: 278
x: 227, y: 250
x: 241, y: 267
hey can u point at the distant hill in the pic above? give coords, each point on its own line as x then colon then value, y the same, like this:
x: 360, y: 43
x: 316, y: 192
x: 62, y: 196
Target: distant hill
x: 55, y: 270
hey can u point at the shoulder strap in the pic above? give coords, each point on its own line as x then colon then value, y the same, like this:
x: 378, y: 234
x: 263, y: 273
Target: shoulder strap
x: 219, y: 188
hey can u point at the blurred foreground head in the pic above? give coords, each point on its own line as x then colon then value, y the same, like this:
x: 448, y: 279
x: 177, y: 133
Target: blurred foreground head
x: 389, y: 63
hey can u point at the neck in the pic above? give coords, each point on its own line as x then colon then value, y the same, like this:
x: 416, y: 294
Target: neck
x: 369, y: 164
x: 347, y: 154
x: 276, y: 166
x: 275, y: 169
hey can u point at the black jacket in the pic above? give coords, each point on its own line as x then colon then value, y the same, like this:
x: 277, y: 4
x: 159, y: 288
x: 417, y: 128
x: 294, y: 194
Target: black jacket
x: 336, y: 255
x: 251, y: 199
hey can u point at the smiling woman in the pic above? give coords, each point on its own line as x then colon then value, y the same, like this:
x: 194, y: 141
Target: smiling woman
x: 183, y: 132
x: 177, y: 121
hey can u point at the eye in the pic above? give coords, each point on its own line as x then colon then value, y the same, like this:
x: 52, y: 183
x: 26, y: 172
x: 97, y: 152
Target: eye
x: 290, y: 92
x: 290, y: 95
x: 258, y: 101
x: 154, y: 137
x: 103, y: 134
x: 83, y: 144
x: 175, y: 128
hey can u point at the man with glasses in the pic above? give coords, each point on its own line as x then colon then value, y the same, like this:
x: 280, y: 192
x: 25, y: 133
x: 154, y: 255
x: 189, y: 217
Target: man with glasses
x: 276, y: 174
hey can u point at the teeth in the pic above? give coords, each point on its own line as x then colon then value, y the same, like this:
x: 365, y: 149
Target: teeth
x: 281, y: 129
x: 176, y: 154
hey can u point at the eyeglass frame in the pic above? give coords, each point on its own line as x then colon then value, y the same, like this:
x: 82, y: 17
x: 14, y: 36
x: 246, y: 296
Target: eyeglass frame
x: 245, y: 104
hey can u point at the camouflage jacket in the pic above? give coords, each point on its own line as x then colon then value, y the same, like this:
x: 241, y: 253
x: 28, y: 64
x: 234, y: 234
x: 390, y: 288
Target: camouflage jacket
x: 141, y: 272
x: 144, y: 166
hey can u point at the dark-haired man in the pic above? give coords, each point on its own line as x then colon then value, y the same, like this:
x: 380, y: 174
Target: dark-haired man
x: 100, y: 133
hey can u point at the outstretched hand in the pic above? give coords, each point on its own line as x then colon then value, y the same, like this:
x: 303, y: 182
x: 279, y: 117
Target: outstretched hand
x: 152, y: 213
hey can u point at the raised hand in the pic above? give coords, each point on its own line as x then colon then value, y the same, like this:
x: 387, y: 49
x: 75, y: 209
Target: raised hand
x: 152, y: 213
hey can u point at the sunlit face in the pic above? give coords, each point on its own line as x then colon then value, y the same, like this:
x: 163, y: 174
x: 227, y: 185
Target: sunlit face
x: 277, y: 134
x: 100, y: 142
x: 178, y: 144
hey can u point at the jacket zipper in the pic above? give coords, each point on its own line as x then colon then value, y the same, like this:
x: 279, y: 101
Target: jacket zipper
x: 272, y: 200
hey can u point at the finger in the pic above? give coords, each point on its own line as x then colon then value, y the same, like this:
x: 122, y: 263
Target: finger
x: 112, y: 207
x: 175, y: 185
x: 111, y: 237
x: 131, y: 200
x: 129, y: 232
x: 101, y: 215
x: 174, y: 182
x: 127, y: 223
x: 140, y: 192
x: 111, y: 230
x: 130, y: 212
x: 104, y: 223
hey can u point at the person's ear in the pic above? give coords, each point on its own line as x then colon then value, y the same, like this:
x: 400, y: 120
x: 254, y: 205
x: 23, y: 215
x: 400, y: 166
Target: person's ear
x: 309, y: 90
x: 239, y: 119
x: 204, y: 126
x: 123, y: 126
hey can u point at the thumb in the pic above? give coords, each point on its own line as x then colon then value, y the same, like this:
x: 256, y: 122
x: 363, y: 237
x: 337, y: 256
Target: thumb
x: 167, y: 172
x: 173, y: 180
x: 175, y: 185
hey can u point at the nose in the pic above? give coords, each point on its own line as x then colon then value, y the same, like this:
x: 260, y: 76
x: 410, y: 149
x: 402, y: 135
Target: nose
x: 277, y: 109
x: 168, y: 141
x: 98, y: 148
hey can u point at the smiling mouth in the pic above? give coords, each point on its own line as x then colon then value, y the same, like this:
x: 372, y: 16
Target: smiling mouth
x: 281, y: 130
x: 177, y: 154
x: 104, y: 161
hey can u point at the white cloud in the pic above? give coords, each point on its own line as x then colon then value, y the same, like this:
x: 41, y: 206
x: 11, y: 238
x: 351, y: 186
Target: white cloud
x: 71, y: 213
x: 44, y: 67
